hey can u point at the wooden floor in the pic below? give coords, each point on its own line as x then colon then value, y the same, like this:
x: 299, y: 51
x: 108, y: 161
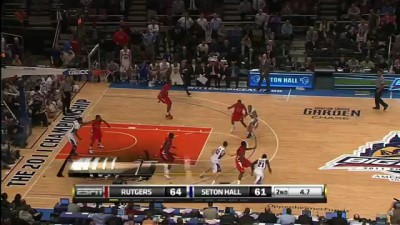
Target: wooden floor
x: 296, y: 144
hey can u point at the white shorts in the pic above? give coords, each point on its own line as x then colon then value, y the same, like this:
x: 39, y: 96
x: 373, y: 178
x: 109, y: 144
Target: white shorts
x: 216, y: 168
x: 254, y: 122
x: 259, y: 173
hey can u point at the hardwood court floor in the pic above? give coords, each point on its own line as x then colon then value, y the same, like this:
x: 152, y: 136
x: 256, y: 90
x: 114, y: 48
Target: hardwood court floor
x: 297, y: 144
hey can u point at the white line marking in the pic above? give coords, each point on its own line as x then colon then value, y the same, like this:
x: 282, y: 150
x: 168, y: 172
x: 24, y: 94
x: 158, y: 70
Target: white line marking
x: 288, y: 96
x: 56, y: 152
x: 204, y: 146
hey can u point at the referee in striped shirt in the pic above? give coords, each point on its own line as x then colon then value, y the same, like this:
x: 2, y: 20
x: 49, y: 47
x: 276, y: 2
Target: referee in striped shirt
x: 66, y: 89
x: 380, y: 87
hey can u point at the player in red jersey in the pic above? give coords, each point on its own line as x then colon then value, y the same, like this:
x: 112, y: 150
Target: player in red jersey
x: 237, y: 114
x: 163, y: 97
x: 166, y: 155
x: 96, y: 132
x: 241, y: 161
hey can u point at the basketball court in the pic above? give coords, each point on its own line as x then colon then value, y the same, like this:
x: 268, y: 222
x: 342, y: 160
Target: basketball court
x: 302, y: 136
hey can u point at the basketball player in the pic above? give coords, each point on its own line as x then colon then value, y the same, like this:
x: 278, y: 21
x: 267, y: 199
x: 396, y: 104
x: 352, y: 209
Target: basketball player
x: 259, y: 167
x: 241, y: 162
x: 72, y: 135
x: 163, y: 97
x: 237, y: 114
x: 253, y: 124
x: 166, y: 155
x: 215, y: 158
x: 96, y: 132
x: 125, y: 58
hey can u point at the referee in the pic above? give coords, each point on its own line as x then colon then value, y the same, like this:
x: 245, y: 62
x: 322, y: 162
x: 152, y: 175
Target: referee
x: 380, y: 86
x: 66, y: 91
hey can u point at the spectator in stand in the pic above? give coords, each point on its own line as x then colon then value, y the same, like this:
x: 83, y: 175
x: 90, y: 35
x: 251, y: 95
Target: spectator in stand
x: 67, y: 57
x: 228, y: 218
x: 215, y: 25
x: 287, y: 10
x: 246, y: 218
x: 113, y: 72
x: 245, y: 9
x: 394, y: 213
x: 361, y: 40
x: 131, y: 220
x: 16, y: 48
x: 304, y: 218
x: 311, y: 35
x: 178, y: 7
x: 309, y: 65
x: 276, y: 22
x: 367, y: 65
x: 155, y: 31
x: 259, y: 4
x: 267, y: 216
x: 202, y: 22
x: 210, y: 213
x: 202, y: 51
x: 148, y: 41
x: 287, y: 30
x: 353, y: 12
x: 56, y: 56
x: 185, y: 23
x: 373, y: 20
x: 382, y: 65
x: 120, y: 39
x: 354, y: 65
x: 387, y: 8
x: 388, y: 24
x: 338, y: 220
x: 260, y: 18
x: 245, y: 45
x: 395, y: 67
x: 341, y: 65
x: 16, y: 61
x: 287, y: 218
x: 5, y: 204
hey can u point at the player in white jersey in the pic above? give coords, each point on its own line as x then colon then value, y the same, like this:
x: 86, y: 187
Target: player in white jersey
x: 125, y: 58
x: 72, y: 135
x: 253, y: 124
x: 215, y: 158
x: 259, y: 167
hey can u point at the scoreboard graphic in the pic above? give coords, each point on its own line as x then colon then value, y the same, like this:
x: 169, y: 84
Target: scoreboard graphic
x: 200, y: 193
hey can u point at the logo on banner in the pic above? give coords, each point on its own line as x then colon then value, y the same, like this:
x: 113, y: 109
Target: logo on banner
x: 73, y: 72
x: 395, y: 86
x: 305, y: 80
x: 380, y: 156
x: 329, y: 113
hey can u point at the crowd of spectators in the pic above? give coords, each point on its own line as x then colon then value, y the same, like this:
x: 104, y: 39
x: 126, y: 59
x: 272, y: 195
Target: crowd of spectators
x: 200, y: 48
x: 362, y: 34
x: 18, y: 212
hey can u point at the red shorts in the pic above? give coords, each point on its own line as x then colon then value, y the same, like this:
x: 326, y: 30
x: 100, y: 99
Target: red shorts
x: 167, y: 157
x: 166, y: 100
x: 242, y: 165
x: 237, y: 116
x: 96, y: 135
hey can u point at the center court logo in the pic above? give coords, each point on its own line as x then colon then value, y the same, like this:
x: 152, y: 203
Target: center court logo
x: 380, y: 156
x: 330, y: 113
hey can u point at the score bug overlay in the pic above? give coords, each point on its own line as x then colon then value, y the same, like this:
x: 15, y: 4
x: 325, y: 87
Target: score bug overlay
x: 201, y: 193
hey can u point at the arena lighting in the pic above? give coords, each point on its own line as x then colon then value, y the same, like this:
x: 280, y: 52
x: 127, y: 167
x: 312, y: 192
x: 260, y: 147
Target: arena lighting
x: 105, y: 163
x: 94, y: 163
x: 113, y: 164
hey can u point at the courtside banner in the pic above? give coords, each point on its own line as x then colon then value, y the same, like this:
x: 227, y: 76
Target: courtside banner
x: 11, y: 71
x: 283, y: 79
x: 395, y: 86
x: 74, y: 72
x: 360, y: 81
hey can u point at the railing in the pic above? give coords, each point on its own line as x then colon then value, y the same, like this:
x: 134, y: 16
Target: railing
x: 390, y: 47
x: 9, y: 110
x: 58, y: 29
x: 94, y: 64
